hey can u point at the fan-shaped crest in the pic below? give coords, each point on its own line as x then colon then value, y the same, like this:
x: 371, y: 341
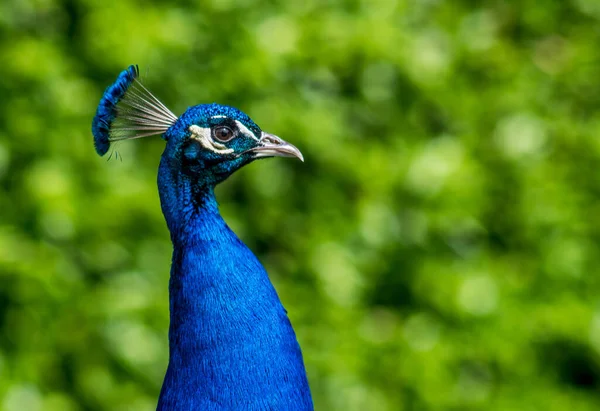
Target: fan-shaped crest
x: 128, y: 110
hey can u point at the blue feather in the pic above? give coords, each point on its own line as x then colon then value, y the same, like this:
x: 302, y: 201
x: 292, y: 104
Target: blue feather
x: 128, y: 110
x: 231, y: 344
x: 107, y: 109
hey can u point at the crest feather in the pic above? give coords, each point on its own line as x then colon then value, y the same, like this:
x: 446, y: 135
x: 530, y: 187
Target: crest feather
x: 128, y: 110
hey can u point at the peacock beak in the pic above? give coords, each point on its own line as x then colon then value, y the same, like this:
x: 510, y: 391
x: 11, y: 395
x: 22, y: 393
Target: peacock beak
x: 272, y: 146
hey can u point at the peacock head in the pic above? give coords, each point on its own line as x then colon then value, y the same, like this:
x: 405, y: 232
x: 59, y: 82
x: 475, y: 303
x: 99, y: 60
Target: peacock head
x: 208, y: 142
x: 213, y: 140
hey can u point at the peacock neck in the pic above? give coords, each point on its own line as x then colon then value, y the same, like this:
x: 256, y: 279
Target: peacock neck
x: 231, y: 344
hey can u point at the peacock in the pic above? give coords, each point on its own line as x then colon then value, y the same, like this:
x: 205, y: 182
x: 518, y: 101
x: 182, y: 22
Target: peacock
x: 231, y: 344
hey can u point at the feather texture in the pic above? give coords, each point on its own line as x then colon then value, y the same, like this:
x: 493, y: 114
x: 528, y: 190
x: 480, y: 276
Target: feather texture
x: 127, y: 111
x: 232, y: 346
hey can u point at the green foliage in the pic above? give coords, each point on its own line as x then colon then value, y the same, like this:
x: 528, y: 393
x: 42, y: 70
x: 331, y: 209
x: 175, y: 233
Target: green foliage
x: 438, y: 250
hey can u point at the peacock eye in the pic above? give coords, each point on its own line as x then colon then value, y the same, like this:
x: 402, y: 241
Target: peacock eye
x: 223, y: 133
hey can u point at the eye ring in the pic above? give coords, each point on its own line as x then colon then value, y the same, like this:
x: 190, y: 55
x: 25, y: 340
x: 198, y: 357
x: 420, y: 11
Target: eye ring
x: 222, y: 133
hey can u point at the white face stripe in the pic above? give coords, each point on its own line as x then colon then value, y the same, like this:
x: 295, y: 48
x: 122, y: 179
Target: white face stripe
x: 203, y: 135
x: 245, y: 130
x: 219, y: 116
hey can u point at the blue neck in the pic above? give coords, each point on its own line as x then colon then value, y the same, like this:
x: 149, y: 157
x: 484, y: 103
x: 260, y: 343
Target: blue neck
x: 231, y: 344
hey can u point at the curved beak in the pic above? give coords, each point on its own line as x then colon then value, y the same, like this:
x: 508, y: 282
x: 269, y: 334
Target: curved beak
x: 272, y: 146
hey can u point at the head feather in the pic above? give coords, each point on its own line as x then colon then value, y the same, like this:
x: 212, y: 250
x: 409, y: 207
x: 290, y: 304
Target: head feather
x: 128, y: 110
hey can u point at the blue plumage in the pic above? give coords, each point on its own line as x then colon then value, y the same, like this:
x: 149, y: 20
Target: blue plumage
x: 106, y: 112
x: 231, y: 344
x: 128, y: 110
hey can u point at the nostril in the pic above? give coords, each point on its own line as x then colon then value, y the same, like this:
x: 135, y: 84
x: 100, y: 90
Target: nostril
x: 271, y: 140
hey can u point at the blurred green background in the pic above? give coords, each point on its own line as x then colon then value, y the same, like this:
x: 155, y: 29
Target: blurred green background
x: 438, y: 250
